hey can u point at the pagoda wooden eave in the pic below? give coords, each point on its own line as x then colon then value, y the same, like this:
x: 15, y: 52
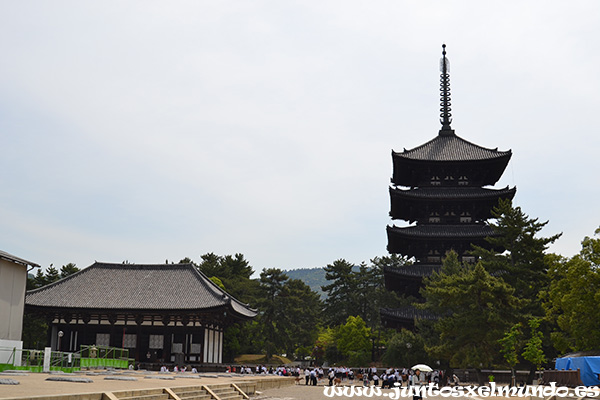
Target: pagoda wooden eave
x: 404, y: 317
x: 413, y: 272
x: 416, y: 241
x: 413, y: 173
x: 416, y: 204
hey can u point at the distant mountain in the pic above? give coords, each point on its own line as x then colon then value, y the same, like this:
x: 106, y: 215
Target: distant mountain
x: 313, y: 277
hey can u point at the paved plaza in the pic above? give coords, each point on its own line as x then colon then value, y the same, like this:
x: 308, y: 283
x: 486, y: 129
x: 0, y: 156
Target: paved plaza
x: 36, y: 384
x: 32, y: 385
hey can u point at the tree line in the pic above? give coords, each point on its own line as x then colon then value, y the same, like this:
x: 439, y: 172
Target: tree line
x: 518, y: 305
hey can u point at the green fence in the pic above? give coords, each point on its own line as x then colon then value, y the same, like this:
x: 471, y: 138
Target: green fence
x: 104, y: 357
x: 33, y: 360
x: 67, y: 362
x: 86, y: 357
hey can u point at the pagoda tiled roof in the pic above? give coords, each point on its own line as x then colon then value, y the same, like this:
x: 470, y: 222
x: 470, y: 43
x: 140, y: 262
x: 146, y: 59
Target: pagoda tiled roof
x: 444, y: 231
x: 406, y: 313
x: 413, y: 271
x: 451, y: 148
x: 453, y: 193
x: 158, y: 287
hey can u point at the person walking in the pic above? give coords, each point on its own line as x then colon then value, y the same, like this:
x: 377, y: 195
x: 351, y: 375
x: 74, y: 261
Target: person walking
x: 415, y: 381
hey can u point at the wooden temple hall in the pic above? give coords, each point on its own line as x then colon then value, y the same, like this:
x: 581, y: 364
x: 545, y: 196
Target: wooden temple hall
x: 442, y: 189
x: 163, y: 314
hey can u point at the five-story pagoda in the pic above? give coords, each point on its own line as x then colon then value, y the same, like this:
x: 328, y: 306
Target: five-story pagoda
x: 439, y: 187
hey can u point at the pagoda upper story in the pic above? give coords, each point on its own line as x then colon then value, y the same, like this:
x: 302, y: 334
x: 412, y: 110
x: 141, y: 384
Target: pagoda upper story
x: 440, y: 186
x: 448, y: 160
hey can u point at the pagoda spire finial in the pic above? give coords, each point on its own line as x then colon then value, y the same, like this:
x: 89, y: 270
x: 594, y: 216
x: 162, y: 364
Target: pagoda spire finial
x: 445, y: 110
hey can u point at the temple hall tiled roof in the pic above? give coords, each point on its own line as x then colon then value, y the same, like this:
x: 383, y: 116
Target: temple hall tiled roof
x: 451, y: 148
x: 453, y: 193
x: 104, y: 286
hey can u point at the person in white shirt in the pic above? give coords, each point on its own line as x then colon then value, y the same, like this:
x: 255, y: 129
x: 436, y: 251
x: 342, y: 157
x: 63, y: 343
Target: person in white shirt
x: 331, y: 377
x: 313, y: 377
x: 398, y: 377
x: 415, y: 381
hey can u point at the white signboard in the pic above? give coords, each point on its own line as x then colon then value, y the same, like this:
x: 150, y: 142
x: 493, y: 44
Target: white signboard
x: 47, y: 355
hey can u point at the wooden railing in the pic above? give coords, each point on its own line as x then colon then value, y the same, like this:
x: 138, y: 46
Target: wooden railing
x: 570, y: 378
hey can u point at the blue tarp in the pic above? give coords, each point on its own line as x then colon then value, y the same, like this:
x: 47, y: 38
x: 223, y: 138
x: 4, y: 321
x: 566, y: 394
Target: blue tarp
x: 589, y: 368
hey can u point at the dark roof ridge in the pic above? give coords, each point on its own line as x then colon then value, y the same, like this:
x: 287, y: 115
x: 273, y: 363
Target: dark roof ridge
x: 446, y: 139
x: 99, y: 264
x: 438, y: 137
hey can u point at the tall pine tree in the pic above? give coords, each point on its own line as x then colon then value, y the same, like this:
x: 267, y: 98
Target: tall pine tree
x: 518, y: 254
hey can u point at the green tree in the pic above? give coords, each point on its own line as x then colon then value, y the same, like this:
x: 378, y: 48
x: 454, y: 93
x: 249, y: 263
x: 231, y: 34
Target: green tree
x: 68, y: 269
x: 289, y: 312
x: 35, y: 327
x: 358, y: 290
x: 533, y: 351
x: 218, y: 282
x: 405, y: 348
x: 354, y: 340
x: 186, y: 260
x: 451, y: 264
x: 325, y: 347
x: 305, y: 307
x: 273, y: 317
x: 231, y: 339
x: 518, y: 254
x: 372, y: 294
x: 573, y: 297
x: 475, y: 310
x: 211, y: 265
x: 369, y: 289
x: 510, y: 347
x: 52, y: 275
x: 37, y: 281
x: 234, y: 272
x: 342, y: 297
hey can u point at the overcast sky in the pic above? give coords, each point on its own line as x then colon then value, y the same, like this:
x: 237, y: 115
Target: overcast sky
x: 154, y: 130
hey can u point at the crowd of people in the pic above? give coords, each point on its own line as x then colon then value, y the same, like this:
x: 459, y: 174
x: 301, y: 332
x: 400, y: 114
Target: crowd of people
x: 177, y: 368
x: 380, y: 377
x: 372, y: 376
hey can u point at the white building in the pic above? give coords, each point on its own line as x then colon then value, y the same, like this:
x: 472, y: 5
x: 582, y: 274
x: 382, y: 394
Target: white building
x: 13, y: 281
